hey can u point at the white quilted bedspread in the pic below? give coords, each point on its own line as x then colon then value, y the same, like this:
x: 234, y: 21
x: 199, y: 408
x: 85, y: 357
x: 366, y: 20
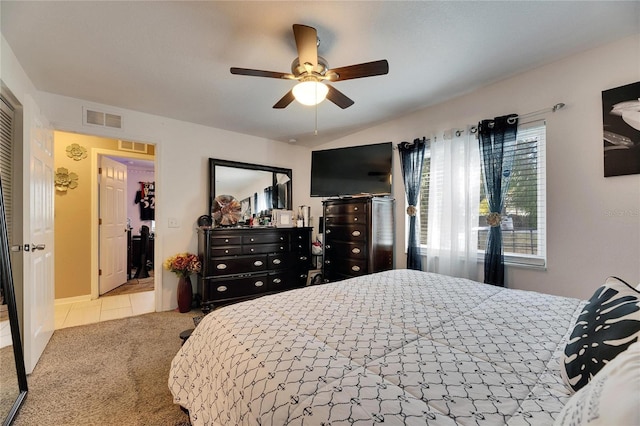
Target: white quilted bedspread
x: 400, y: 347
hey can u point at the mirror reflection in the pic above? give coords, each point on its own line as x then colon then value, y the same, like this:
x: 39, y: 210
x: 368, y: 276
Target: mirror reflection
x: 9, y: 389
x: 13, y: 378
x: 257, y: 188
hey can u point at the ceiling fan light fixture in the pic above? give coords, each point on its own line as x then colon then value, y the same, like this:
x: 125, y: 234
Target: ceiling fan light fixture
x: 310, y: 92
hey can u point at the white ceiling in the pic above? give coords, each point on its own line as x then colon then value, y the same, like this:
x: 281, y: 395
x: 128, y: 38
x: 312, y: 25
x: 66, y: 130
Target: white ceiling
x: 172, y: 58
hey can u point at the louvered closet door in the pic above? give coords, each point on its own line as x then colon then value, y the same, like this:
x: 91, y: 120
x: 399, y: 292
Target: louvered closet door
x: 6, y: 161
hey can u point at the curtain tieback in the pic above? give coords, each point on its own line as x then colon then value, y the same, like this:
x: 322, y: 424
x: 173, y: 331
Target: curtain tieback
x: 411, y: 210
x: 494, y: 219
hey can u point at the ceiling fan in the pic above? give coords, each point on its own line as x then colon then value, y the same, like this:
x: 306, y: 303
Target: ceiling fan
x: 311, y: 71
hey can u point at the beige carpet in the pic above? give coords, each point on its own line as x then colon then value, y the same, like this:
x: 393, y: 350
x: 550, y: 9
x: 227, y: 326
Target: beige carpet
x: 109, y: 373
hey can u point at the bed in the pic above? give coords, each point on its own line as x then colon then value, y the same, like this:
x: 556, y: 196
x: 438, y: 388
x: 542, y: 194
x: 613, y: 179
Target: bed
x: 396, y: 347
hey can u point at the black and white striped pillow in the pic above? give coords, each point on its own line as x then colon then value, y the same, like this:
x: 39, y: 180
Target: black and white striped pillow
x: 607, y: 326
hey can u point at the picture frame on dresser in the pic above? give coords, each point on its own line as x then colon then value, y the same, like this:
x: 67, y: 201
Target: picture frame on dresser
x: 282, y: 218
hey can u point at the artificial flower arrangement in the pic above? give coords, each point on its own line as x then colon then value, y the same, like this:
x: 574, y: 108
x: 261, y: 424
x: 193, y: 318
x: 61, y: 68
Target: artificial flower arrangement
x: 183, y: 264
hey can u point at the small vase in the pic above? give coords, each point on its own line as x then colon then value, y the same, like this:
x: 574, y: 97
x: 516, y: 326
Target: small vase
x: 185, y: 294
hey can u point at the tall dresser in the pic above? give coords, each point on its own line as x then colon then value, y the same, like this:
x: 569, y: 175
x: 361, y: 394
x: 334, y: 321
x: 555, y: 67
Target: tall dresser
x: 239, y: 263
x: 358, y: 236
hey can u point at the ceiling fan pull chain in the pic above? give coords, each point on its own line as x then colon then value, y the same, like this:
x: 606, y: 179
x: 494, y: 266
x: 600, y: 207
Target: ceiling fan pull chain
x: 315, y: 132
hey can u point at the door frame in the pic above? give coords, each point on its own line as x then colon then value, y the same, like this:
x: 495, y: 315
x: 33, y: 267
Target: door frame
x: 95, y: 215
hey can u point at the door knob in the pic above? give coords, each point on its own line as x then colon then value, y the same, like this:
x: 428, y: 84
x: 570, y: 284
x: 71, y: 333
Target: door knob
x: 34, y: 247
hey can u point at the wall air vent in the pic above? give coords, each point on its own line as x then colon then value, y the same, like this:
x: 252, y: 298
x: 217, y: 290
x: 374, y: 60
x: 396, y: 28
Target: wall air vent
x: 100, y: 118
x: 138, y: 147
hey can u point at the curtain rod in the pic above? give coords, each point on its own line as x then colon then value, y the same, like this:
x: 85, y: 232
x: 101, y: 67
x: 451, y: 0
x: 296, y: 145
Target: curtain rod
x: 554, y: 108
x: 474, y: 129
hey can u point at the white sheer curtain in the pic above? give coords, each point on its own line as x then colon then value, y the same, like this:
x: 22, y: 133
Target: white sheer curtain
x: 454, y: 197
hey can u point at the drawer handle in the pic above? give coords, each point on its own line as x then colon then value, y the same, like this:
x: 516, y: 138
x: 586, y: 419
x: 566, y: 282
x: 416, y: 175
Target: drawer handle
x: 327, y: 262
x: 222, y: 288
x: 257, y: 263
x: 327, y: 231
x: 281, y: 248
x: 226, y: 251
x: 281, y: 238
x: 303, y: 275
x: 252, y: 240
x: 327, y: 246
x: 355, y: 268
x: 303, y: 257
x: 226, y: 240
x: 356, y: 233
x: 355, y: 219
x: 355, y: 250
x: 277, y: 280
x: 251, y: 250
x: 258, y: 284
x: 277, y: 261
x: 221, y: 266
x: 356, y: 208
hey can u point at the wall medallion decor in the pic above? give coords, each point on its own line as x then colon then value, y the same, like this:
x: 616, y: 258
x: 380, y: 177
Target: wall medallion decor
x: 65, y: 180
x: 76, y: 152
x: 621, y: 130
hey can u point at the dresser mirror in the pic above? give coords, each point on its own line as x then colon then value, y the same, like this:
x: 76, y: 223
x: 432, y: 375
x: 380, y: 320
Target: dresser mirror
x: 13, y: 378
x: 257, y: 188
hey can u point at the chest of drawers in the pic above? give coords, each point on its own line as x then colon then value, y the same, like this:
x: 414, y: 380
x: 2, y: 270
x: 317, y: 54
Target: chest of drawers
x: 358, y: 236
x: 239, y: 263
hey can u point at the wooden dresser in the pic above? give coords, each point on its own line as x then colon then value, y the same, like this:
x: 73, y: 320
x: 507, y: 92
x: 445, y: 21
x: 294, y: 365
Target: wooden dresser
x: 358, y: 236
x: 239, y: 263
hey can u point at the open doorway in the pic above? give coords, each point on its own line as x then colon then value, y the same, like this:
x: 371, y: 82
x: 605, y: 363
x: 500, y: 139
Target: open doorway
x: 136, y: 214
x: 77, y: 223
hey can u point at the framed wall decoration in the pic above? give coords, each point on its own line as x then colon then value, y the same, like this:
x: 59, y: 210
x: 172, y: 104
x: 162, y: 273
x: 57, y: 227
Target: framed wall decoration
x: 621, y: 130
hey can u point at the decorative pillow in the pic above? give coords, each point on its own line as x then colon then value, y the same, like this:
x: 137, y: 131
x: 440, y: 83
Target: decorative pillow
x: 611, y: 398
x: 608, y: 325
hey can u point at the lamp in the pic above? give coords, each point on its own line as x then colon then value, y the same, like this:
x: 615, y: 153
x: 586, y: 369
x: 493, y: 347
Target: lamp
x: 310, y: 92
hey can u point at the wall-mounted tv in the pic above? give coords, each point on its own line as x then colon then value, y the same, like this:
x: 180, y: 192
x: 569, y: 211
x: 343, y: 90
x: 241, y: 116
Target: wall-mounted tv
x: 350, y: 171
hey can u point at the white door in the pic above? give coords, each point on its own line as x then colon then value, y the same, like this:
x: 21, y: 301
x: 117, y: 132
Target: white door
x: 113, y: 224
x: 39, y: 286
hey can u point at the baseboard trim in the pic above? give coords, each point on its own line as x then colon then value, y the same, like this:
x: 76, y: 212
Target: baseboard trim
x: 75, y: 299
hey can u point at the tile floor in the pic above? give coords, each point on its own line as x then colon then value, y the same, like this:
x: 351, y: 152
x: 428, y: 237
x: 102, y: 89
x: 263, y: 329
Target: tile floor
x: 103, y: 309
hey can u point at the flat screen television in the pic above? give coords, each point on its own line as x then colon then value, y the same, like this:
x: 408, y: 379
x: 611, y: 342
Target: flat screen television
x: 351, y: 171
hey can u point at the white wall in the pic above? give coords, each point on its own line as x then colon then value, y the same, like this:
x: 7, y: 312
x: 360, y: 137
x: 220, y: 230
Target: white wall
x: 593, y: 222
x: 182, y: 154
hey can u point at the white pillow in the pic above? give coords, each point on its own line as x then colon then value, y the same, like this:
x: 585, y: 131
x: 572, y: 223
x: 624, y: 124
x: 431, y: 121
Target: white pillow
x: 610, y: 398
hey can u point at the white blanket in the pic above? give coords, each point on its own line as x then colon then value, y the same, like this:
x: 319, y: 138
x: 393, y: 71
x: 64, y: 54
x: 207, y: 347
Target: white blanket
x: 399, y: 347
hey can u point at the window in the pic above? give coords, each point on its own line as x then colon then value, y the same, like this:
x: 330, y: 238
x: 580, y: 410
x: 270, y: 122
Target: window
x: 524, y: 214
x: 423, y: 206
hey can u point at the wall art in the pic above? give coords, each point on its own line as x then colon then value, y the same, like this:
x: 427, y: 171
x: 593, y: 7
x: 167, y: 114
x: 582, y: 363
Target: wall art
x: 76, y: 152
x: 621, y: 130
x: 65, y: 180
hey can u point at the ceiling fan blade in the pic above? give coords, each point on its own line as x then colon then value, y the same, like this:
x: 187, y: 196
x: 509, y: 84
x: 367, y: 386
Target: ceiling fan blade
x: 260, y: 73
x: 367, y: 69
x: 338, y: 98
x: 285, y: 101
x: 307, y: 44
